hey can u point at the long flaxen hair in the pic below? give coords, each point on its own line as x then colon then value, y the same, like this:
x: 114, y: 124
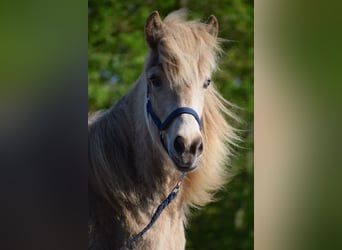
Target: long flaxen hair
x: 130, y: 172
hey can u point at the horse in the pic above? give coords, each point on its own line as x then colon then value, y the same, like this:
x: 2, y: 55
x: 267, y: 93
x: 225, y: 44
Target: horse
x: 172, y: 121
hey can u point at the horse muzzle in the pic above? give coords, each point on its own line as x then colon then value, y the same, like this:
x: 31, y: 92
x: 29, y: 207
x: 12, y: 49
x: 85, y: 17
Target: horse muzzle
x: 186, y: 154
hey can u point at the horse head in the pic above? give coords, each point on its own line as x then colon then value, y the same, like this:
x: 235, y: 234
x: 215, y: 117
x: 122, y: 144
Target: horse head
x: 178, y: 75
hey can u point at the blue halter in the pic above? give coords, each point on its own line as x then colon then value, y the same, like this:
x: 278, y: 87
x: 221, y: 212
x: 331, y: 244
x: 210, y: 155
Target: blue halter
x: 163, y: 125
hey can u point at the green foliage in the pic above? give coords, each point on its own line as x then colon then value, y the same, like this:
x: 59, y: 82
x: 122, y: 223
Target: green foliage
x: 116, y: 54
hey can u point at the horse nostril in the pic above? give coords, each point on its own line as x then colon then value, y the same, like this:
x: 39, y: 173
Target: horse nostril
x: 179, y: 145
x: 196, y: 147
x: 200, y: 148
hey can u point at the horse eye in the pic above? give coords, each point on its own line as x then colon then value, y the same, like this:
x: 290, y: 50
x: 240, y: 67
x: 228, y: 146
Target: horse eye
x: 207, y: 83
x: 155, y: 81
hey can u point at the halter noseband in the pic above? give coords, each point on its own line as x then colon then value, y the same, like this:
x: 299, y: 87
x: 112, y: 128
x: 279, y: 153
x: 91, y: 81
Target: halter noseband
x: 163, y: 125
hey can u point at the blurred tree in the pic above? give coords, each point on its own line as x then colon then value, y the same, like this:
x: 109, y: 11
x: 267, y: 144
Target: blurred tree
x: 116, y: 54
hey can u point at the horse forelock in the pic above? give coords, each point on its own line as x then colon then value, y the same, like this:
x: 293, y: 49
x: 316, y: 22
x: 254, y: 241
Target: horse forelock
x: 186, y: 51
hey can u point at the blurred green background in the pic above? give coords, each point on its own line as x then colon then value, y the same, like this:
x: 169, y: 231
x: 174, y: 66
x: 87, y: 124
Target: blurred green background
x: 116, y: 54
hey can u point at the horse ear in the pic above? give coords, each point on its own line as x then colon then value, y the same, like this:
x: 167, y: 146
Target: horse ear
x: 152, y: 29
x: 212, y: 26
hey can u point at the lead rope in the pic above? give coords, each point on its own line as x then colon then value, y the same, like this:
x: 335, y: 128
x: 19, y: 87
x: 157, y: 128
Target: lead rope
x: 156, y: 214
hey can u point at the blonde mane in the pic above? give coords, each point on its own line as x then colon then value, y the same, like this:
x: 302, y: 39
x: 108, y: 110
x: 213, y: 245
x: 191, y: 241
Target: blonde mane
x: 129, y: 172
